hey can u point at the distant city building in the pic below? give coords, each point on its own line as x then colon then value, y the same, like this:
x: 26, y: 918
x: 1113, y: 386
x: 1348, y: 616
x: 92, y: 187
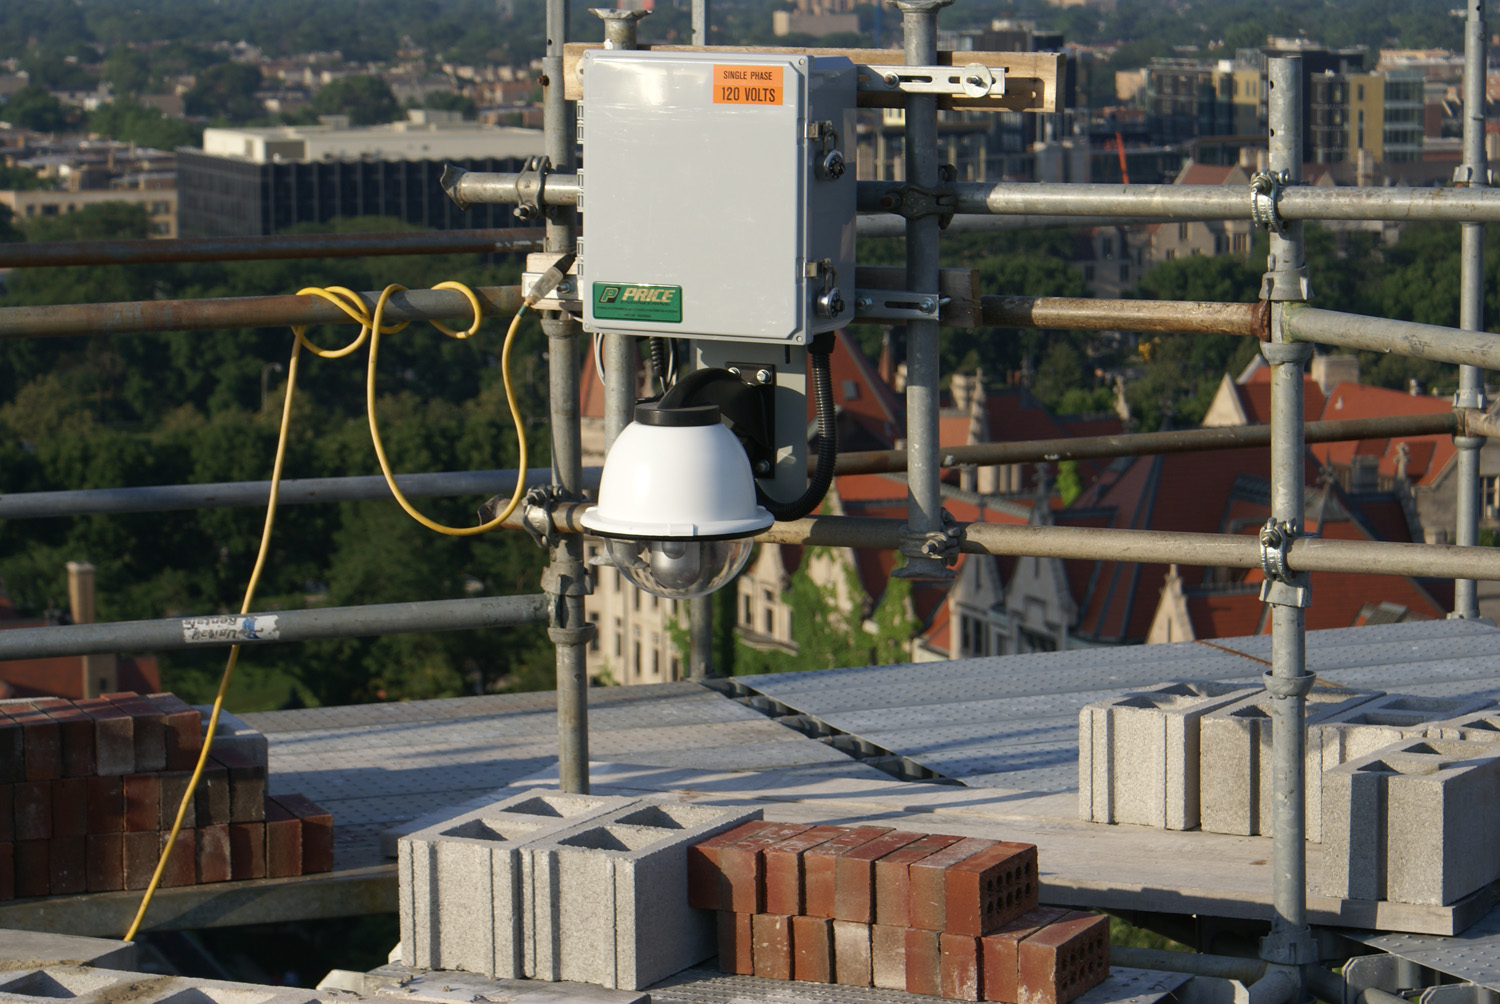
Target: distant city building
x: 261, y: 181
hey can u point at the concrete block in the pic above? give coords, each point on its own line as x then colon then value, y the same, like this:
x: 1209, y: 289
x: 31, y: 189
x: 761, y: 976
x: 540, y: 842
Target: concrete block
x: 1413, y: 822
x: 1138, y: 755
x: 1478, y: 727
x: 1234, y: 760
x: 465, y: 888
x: 59, y: 981
x: 928, y: 880
x: 888, y: 956
x: 43, y: 949
x: 991, y: 888
x: 232, y: 734
x: 851, y: 954
x: 616, y: 908
x: 1382, y: 721
x: 999, y: 953
x: 812, y: 949
x: 1064, y: 959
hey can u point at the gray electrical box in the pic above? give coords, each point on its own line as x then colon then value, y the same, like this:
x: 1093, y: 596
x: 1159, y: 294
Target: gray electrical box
x: 715, y: 195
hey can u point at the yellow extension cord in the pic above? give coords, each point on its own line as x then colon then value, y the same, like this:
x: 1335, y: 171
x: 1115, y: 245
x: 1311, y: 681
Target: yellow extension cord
x: 371, y: 327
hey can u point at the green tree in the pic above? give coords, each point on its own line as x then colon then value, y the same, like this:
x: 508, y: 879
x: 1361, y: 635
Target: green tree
x: 367, y: 100
x: 451, y: 101
x: 128, y: 71
x: 33, y: 108
x: 226, y: 90
x: 130, y: 121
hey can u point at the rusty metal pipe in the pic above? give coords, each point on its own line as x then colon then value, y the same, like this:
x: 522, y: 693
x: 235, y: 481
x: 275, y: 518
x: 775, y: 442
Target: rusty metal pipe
x: 201, y: 249
x: 1186, y: 316
x: 239, y: 312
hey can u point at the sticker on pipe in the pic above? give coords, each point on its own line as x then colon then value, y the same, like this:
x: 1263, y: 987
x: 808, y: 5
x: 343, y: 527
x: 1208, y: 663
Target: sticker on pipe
x: 230, y: 629
x: 747, y: 85
x: 634, y: 301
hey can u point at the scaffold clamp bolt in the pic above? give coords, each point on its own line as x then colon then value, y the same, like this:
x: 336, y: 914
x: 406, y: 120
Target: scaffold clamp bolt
x: 1265, y: 194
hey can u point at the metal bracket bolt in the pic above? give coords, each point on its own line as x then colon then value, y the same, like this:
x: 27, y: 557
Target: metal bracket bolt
x: 1283, y: 586
x: 1265, y: 194
x: 938, y: 545
x: 531, y: 185
x: 915, y: 202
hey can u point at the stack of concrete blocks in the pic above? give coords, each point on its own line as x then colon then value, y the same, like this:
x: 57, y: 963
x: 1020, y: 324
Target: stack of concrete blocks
x: 1235, y: 766
x: 871, y: 906
x: 1479, y: 727
x: 48, y: 984
x: 1413, y: 823
x: 551, y: 886
x: 1138, y: 755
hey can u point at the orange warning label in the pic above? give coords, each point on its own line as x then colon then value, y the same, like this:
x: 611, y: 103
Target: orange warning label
x: 747, y: 85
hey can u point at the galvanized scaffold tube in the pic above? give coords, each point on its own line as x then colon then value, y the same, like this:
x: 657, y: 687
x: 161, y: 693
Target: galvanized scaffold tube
x: 1475, y: 174
x: 567, y: 578
x: 924, y: 501
x: 1290, y: 942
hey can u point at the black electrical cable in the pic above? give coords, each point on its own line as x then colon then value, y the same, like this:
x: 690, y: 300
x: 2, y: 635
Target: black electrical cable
x: 659, y: 360
x: 828, y: 442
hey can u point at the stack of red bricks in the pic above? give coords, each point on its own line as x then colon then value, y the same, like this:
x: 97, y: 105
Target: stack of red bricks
x: 89, y: 791
x: 871, y: 906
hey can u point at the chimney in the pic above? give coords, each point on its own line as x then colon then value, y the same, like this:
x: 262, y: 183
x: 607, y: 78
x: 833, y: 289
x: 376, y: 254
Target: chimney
x: 99, y: 672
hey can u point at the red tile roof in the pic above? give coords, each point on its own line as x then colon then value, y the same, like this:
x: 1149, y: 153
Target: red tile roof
x: 1427, y: 456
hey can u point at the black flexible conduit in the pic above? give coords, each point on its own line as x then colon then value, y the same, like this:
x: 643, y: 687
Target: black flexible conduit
x: 659, y: 360
x: 828, y: 442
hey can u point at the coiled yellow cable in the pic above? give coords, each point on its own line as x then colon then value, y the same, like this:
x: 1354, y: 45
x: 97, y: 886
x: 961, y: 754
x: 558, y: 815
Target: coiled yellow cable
x: 371, y: 328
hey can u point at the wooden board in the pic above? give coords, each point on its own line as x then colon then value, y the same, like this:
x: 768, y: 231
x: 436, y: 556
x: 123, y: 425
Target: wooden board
x: 1031, y: 78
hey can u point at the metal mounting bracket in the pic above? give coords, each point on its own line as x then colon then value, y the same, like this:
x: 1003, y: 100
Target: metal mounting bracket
x: 975, y: 80
x: 896, y: 305
x: 537, y: 507
x: 1289, y: 946
x: 933, y: 546
x: 1295, y: 686
x: 1265, y: 194
x: 1282, y: 587
x: 914, y: 202
x: 531, y: 185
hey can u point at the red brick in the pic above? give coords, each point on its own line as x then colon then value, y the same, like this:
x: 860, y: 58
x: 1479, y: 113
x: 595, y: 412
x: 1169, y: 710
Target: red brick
x: 43, y: 742
x: 150, y: 728
x: 736, y: 944
x: 106, y: 804
x: 174, y: 787
x: 812, y: 949
x: 33, y: 868
x: 708, y: 888
x: 283, y: 841
x: 77, y: 733
x: 317, y: 832
x: 69, y: 865
x: 888, y: 956
x: 783, y: 866
x: 990, y: 889
x: 928, y: 906
x: 7, y: 870
x: 70, y: 807
x: 247, y: 787
x: 33, y: 810
x: 212, y: 848
x: 114, y: 737
x: 12, y: 750
x: 138, y: 859
x: 893, y: 878
x: 247, y: 851
x: 743, y: 863
x: 142, y: 803
x: 998, y: 953
x: 851, y: 953
x: 959, y: 966
x: 854, y: 876
x: 106, y: 861
x: 184, y: 731
x: 819, y: 865
x: 771, y: 953
x: 923, y: 962
x: 7, y: 813
x: 211, y: 800
x: 1064, y: 959
x: 182, y: 864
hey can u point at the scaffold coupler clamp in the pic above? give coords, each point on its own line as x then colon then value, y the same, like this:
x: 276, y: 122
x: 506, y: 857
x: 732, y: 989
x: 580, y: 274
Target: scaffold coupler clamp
x: 1289, y: 946
x: 934, y: 545
x: 531, y: 185
x: 537, y: 507
x: 1265, y: 196
x: 915, y: 202
x: 1282, y: 586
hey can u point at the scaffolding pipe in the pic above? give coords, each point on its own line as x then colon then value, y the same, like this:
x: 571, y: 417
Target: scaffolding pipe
x: 280, y: 246
x: 180, y: 633
x: 1224, y: 967
x: 567, y: 578
x: 1146, y: 444
x: 924, y: 501
x: 1149, y: 547
x: 64, y: 320
x: 1475, y: 174
x: 245, y: 494
x: 1290, y: 941
x: 1382, y: 334
x: 701, y: 22
x: 886, y: 225
x: 1184, y: 316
